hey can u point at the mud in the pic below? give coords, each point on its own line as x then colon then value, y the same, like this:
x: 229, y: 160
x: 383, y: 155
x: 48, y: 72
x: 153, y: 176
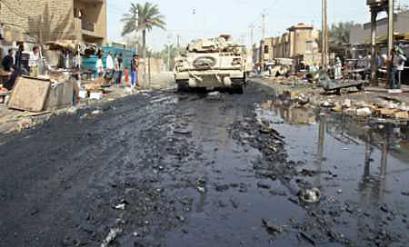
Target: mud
x: 167, y: 169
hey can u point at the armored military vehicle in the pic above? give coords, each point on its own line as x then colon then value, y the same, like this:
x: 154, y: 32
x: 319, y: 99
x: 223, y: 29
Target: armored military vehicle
x: 211, y: 63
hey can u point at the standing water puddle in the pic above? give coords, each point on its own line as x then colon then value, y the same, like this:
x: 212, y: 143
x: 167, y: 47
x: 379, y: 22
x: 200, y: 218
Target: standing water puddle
x: 363, y: 166
x: 361, y: 169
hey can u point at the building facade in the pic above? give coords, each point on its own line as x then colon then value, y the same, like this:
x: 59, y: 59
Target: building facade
x: 52, y: 20
x: 299, y: 41
x: 361, y: 33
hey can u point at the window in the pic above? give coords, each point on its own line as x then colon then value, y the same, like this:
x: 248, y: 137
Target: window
x: 266, y: 49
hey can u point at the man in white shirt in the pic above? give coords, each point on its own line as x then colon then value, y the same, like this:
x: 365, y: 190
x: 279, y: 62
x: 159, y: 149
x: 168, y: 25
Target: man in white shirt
x: 109, y: 65
x: 34, y: 62
x: 99, y: 66
x: 398, y: 65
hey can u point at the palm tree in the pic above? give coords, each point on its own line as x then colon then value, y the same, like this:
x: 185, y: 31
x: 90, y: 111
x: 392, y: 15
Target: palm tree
x: 142, y: 17
x: 340, y: 33
x: 339, y: 38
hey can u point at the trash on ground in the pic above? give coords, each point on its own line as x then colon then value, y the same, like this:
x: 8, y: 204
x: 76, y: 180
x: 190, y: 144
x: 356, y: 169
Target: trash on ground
x: 120, y: 206
x: 201, y: 189
x: 214, y: 95
x: 310, y: 195
x: 272, y: 228
x: 96, y: 112
x: 96, y: 95
x: 364, y: 112
x: 112, y: 235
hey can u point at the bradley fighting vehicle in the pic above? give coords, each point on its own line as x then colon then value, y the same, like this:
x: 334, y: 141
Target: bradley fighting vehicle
x: 212, y: 63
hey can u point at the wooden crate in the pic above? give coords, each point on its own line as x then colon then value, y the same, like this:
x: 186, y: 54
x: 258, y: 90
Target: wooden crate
x: 29, y: 94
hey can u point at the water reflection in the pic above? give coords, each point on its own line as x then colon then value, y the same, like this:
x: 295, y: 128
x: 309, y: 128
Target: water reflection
x: 321, y: 145
x: 366, y: 160
x: 385, y: 137
x: 381, y: 139
x: 290, y: 114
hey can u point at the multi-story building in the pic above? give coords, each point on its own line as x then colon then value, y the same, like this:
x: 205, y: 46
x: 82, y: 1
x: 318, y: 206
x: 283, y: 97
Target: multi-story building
x: 299, y: 41
x: 52, y: 20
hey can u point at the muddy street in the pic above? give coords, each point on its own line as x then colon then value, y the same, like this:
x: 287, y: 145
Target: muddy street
x: 188, y: 169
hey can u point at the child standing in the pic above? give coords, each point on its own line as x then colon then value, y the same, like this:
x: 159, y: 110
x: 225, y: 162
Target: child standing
x: 126, y: 73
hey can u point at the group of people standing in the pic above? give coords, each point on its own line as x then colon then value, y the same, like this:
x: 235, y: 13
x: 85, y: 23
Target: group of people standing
x: 20, y: 63
x: 114, y: 68
x: 394, y: 66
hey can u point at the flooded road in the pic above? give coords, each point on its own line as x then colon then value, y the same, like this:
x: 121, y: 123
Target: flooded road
x: 166, y: 169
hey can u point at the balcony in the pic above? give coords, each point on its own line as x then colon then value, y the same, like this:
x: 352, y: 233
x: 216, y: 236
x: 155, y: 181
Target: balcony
x: 87, y: 31
x: 87, y: 25
x: 90, y: 20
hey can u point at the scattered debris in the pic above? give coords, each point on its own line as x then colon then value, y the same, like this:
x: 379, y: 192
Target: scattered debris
x: 310, y: 195
x: 327, y: 104
x: 95, y: 95
x: 272, y: 228
x: 26, y: 123
x: 406, y: 193
x: 302, y: 100
x: 180, y: 218
x: 263, y: 185
x: 182, y: 131
x: 364, y: 112
x: 120, y: 206
x: 112, y: 235
x: 347, y: 103
x: 309, y: 239
x: 83, y: 94
x: 214, y: 95
x: 201, y: 189
x: 221, y: 188
x: 96, y: 112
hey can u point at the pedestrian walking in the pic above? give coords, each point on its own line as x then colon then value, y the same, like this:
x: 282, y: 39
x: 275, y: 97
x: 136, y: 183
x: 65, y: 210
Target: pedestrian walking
x: 134, y: 71
x: 401, y: 65
x: 126, y: 75
x: 338, y: 69
x: 398, y: 64
x: 109, y: 66
x: 100, y: 66
x: 118, y: 69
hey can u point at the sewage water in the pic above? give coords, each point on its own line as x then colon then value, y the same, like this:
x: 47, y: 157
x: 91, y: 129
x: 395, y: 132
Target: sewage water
x: 361, y: 168
x: 363, y: 165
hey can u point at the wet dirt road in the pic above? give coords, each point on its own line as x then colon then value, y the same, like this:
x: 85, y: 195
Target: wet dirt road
x: 166, y: 169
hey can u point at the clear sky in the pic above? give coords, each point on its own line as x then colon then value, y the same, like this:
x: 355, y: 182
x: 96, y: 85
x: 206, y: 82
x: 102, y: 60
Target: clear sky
x: 206, y: 18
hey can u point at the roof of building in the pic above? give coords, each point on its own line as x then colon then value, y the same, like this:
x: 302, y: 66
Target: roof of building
x: 300, y: 26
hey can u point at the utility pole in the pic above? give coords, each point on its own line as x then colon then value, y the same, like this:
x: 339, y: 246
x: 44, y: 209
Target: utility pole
x: 325, y: 49
x: 263, y: 26
x: 251, y: 35
x: 391, y: 27
x: 178, y: 41
x: 169, y: 57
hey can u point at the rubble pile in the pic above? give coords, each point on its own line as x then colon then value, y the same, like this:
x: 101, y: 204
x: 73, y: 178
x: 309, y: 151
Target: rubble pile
x: 356, y: 105
x: 381, y: 108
